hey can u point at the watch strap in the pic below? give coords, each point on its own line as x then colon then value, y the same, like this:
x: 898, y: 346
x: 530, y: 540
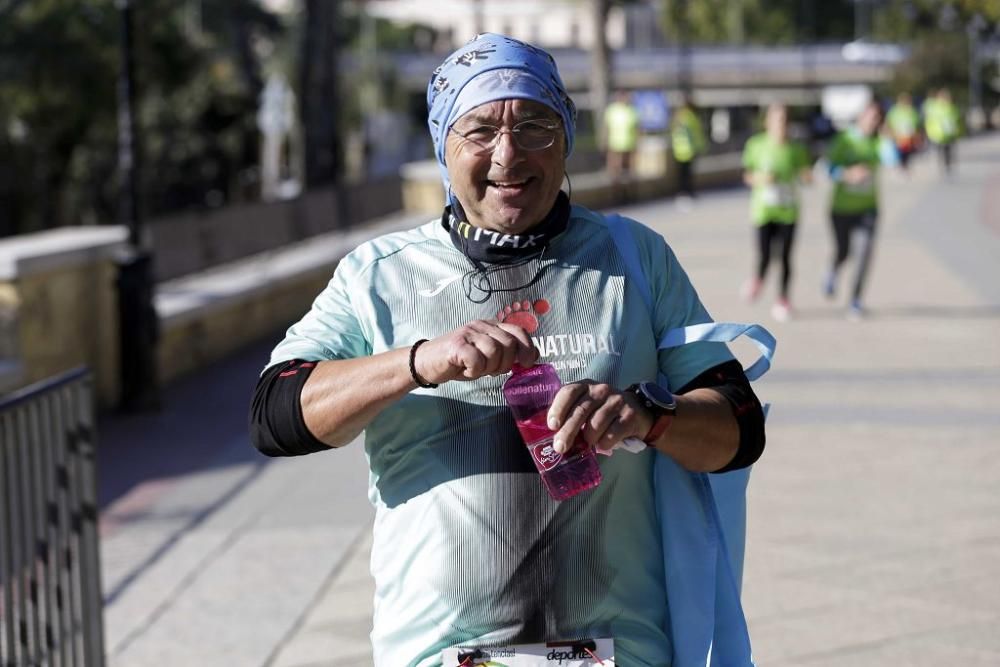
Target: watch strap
x: 663, y: 417
x: 658, y: 428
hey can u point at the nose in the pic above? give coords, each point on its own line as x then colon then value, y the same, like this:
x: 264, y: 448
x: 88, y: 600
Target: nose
x: 506, y: 152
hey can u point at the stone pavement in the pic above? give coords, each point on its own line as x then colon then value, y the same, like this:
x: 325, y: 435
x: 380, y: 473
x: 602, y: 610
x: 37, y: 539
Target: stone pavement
x: 873, y: 538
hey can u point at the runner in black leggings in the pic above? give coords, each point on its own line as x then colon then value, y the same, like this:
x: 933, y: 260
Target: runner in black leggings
x: 782, y: 235
x: 774, y: 164
x: 862, y: 227
x: 854, y: 158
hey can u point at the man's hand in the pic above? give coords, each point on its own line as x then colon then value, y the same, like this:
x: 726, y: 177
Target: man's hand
x: 606, y: 415
x: 477, y: 349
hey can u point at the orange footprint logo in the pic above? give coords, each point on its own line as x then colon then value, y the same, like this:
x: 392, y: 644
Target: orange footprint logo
x: 523, y: 314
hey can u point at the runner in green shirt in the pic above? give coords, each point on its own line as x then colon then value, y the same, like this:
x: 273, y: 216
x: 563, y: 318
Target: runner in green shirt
x: 774, y: 165
x: 853, y: 159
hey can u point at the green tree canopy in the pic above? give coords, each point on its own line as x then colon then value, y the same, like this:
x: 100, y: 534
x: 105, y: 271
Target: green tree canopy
x: 198, y: 77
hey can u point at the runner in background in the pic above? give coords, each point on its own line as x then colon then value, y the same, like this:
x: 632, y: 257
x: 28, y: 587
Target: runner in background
x: 773, y: 166
x: 853, y: 160
x: 903, y: 121
x: 943, y: 125
x: 621, y: 122
x: 687, y: 141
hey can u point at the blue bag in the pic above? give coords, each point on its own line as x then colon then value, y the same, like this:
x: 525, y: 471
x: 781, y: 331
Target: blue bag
x: 702, y: 517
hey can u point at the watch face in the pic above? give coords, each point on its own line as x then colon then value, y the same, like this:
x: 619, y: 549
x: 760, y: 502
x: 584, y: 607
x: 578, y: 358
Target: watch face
x: 658, y: 395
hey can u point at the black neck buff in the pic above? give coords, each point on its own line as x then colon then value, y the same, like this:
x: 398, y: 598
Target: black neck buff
x: 485, y: 246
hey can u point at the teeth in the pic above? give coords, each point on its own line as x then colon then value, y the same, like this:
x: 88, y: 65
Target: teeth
x: 508, y: 185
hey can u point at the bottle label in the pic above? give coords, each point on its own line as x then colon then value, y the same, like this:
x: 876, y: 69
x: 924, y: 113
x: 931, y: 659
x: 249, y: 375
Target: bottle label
x: 525, y: 389
x: 545, y: 455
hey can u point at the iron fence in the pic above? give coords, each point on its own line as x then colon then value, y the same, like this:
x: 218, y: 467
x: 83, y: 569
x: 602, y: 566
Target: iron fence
x: 50, y: 583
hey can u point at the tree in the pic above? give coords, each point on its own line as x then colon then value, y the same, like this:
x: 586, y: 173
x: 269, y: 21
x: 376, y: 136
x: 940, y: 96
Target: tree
x: 318, y: 93
x: 939, y: 35
x: 197, y: 83
x: 600, y: 60
x: 600, y: 64
x: 765, y: 22
x: 54, y: 105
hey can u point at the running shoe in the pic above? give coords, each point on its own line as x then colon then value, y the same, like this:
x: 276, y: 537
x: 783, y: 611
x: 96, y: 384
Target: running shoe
x: 750, y: 289
x: 830, y: 285
x: 781, y: 310
x: 855, y: 312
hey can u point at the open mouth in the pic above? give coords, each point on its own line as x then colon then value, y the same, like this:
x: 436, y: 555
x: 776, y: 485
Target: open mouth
x: 511, y: 187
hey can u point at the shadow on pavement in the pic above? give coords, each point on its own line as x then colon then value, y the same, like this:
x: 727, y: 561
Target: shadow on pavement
x: 903, y: 312
x: 210, y: 406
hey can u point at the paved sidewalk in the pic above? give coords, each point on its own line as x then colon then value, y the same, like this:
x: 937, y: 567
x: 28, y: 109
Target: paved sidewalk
x: 874, y: 537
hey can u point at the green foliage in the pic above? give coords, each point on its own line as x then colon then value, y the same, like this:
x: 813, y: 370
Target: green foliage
x: 763, y: 22
x: 937, y: 33
x: 941, y: 61
x: 197, y: 75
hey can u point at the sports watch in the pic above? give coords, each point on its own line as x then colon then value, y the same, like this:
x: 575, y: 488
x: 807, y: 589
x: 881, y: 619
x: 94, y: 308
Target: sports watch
x: 660, y: 402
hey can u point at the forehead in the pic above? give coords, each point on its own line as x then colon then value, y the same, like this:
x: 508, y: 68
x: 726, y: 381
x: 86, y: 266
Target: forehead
x: 518, y: 108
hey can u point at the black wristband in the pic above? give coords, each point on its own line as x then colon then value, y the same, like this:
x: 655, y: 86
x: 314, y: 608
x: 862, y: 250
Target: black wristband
x: 413, y: 367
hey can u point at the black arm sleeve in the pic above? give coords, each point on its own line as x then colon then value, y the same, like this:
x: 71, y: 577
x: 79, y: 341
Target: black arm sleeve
x: 729, y: 380
x: 277, y: 427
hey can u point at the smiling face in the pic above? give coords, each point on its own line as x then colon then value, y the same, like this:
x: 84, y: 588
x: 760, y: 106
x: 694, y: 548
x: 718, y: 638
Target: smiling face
x: 508, y: 189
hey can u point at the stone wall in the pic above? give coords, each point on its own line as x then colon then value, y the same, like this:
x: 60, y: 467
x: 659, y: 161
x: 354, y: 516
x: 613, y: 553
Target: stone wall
x: 59, y: 307
x: 199, y: 240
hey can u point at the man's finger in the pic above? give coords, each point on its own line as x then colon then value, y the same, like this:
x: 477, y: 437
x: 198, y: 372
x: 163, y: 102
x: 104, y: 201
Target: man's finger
x: 605, y: 421
x: 573, y: 423
x: 472, y: 361
x: 526, y: 353
x: 565, y: 398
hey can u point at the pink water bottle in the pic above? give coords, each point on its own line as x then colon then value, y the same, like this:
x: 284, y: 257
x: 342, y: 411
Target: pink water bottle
x: 529, y: 393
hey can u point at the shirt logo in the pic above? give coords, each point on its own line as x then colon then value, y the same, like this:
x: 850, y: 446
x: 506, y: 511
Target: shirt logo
x: 497, y: 239
x: 441, y: 285
x: 524, y: 314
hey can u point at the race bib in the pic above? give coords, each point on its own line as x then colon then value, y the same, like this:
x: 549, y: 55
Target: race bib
x: 579, y: 653
x: 863, y: 187
x: 779, y: 194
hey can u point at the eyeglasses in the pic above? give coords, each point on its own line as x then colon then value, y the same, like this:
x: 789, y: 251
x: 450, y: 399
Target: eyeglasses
x: 529, y: 135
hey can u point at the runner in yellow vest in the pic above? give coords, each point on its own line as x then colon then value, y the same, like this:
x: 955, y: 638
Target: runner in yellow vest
x: 621, y: 121
x: 903, y: 121
x: 687, y: 141
x: 943, y: 124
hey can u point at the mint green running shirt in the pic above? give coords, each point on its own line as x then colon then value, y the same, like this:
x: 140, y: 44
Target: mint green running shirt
x: 468, y: 546
x: 777, y: 201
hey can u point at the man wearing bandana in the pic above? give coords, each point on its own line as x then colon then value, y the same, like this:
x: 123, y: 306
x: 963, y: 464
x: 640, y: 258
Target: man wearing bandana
x: 411, y: 342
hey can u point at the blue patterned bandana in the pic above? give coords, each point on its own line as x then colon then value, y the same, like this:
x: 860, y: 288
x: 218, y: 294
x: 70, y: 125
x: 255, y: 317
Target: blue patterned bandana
x: 489, y: 68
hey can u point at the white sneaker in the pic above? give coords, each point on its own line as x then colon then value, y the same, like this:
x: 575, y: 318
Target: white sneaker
x: 781, y: 310
x: 855, y: 312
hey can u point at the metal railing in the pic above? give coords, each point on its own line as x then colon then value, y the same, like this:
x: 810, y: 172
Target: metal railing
x: 50, y: 582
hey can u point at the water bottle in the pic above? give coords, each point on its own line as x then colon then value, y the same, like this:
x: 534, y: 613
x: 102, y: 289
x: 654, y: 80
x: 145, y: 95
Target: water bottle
x: 529, y: 393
